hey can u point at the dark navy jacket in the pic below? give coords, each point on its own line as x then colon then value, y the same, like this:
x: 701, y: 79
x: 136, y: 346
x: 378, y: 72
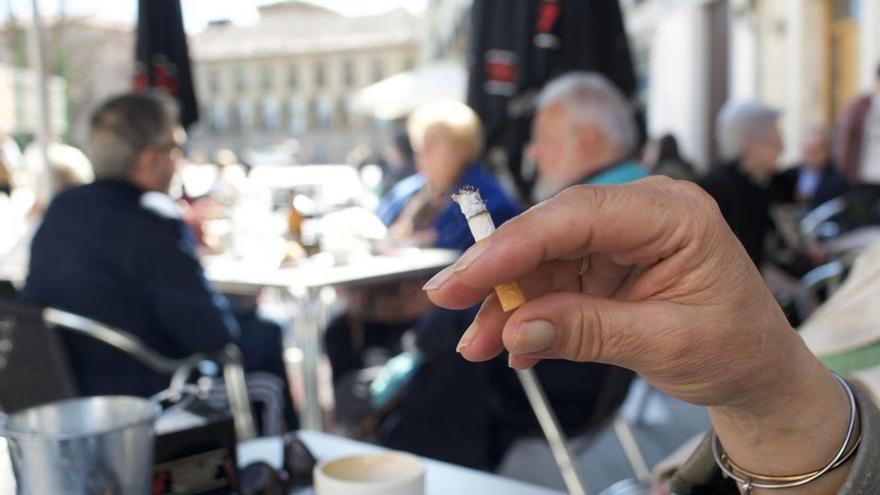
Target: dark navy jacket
x: 111, y: 252
x: 451, y: 226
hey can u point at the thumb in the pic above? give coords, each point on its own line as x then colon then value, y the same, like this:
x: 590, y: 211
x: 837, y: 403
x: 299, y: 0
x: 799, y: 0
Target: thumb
x: 579, y: 327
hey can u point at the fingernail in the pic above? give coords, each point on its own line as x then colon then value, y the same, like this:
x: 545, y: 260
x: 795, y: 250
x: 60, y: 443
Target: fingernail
x: 469, y: 256
x: 534, y: 336
x: 467, y: 338
x: 439, y: 280
x: 518, y: 363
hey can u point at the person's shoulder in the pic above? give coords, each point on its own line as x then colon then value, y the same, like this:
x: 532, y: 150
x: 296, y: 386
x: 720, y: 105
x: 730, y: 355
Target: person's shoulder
x: 720, y: 180
x: 77, y: 197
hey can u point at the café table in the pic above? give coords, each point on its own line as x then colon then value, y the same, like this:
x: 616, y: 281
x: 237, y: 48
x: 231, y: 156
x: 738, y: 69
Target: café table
x: 302, y: 285
x: 441, y: 478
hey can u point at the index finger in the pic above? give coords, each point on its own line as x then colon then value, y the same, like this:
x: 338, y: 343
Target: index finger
x: 634, y: 224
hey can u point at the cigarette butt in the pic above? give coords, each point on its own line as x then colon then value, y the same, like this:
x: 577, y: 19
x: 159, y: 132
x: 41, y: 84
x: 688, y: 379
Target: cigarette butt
x: 510, y: 296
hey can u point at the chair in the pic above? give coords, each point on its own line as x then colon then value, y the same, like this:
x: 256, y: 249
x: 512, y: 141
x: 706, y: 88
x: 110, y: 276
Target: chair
x: 854, y: 210
x: 34, y: 367
x: 8, y: 292
x: 612, y: 391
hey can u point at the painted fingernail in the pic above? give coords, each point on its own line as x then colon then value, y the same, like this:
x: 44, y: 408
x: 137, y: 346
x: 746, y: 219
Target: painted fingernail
x: 468, y: 337
x: 469, y: 256
x: 534, y: 336
x: 439, y: 280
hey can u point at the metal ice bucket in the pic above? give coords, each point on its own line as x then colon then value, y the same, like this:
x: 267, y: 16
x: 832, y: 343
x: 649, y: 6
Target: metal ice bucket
x: 86, y: 446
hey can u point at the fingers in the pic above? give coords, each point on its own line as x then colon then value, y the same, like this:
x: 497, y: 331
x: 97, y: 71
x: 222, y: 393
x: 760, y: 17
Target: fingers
x: 635, y: 224
x: 579, y: 327
x: 603, y: 277
x: 449, y: 291
x: 482, y: 340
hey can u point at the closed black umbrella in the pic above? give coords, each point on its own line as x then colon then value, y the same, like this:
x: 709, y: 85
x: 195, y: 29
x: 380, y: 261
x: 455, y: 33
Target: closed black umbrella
x: 162, y: 56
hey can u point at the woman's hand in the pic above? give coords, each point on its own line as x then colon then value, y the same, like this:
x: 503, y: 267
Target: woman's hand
x: 648, y: 276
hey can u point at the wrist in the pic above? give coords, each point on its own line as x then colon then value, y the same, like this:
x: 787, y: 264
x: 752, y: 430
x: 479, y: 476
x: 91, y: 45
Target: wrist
x: 792, y: 422
x: 801, y: 434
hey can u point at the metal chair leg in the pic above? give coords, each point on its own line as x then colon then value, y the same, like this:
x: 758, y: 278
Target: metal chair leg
x: 631, y: 449
x: 552, y: 431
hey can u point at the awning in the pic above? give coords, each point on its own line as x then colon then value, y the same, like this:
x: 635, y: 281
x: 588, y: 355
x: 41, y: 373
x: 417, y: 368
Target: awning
x: 398, y: 95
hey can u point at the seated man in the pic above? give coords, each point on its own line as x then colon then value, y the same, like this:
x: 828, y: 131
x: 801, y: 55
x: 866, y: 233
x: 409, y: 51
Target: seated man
x: 584, y: 133
x: 118, y: 252
x: 816, y: 179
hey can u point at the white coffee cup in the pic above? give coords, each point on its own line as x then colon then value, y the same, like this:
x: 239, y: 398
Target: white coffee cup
x: 386, y: 473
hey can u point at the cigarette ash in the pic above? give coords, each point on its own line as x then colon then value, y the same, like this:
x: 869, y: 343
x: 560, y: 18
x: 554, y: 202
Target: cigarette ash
x: 470, y: 202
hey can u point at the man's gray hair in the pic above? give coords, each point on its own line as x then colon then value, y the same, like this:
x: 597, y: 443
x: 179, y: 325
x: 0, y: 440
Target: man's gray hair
x: 740, y: 123
x: 123, y: 126
x: 590, y: 98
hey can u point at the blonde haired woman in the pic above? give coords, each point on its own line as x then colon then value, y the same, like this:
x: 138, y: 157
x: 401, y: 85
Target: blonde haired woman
x: 446, y: 136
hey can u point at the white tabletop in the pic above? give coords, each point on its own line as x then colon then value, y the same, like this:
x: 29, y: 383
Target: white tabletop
x: 441, y: 479
x: 240, y: 278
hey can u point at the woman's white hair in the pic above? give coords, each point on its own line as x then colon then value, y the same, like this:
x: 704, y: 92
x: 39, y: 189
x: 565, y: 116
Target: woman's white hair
x: 740, y: 123
x: 591, y: 99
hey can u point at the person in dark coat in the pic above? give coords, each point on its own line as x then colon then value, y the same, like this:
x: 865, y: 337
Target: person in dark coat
x: 747, y: 182
x: 117, y: 251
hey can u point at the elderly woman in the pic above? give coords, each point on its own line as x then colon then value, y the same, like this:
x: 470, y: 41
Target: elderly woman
x: 447, y: 139
x: 446, y: 136
x: 747, y: 182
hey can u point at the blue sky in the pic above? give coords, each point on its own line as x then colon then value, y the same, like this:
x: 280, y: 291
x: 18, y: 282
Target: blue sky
x: 197, y: 13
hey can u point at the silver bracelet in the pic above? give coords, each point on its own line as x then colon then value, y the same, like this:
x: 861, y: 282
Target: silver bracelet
x: 842, y: 456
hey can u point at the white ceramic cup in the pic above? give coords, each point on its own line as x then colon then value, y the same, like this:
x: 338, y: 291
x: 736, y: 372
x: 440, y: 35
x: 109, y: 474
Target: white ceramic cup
x: 386, y: 473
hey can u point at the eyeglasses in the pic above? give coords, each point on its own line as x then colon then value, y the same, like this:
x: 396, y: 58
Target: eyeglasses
x: 260, y: 478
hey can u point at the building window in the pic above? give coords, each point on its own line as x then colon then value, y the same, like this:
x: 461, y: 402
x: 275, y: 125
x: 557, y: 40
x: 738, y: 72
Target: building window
x: 299, y: 116
x: 325, y: 112
x: 240, y: 79
x: 348, y: 78
x: 378, y: 70
x: 846, y: 9
x: 292, y: 77
x: 234, y: 118
x: 271, y: 115
x: 320, y: 75
x: 342, y: 113
x: 267, y: 78
x: 245, y: 115
x: 218, y: 118
x: 312, y: 114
